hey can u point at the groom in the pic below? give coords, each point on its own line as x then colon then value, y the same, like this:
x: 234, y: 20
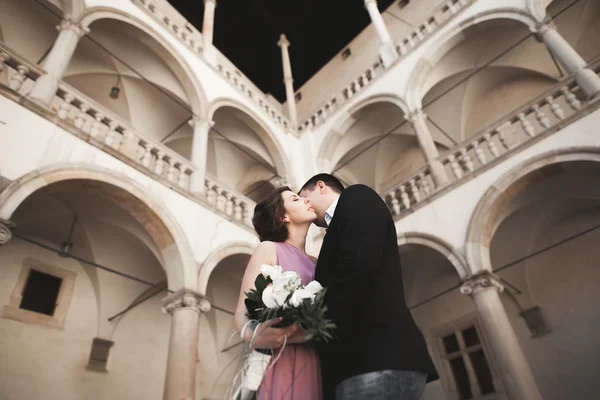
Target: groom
x: 378, y: 352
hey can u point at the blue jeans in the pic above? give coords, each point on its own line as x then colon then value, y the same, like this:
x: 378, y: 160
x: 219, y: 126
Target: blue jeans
x: 383, y: 385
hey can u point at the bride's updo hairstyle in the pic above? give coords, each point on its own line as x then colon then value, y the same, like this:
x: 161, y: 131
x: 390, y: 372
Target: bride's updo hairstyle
x: 268, y: 217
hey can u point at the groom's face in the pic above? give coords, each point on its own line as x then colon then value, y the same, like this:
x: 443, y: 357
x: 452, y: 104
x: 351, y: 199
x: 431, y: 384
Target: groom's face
x: 319, y: 201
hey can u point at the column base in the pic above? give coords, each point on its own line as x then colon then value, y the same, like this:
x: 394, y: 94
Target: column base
x: 388, y: 54
x: 589, y: 82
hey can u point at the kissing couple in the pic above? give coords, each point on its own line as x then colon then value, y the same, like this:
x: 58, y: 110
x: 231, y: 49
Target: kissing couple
x: 377, y: 352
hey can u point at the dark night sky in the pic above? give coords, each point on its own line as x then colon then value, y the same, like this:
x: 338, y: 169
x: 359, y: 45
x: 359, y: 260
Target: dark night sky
x: 247, y: 31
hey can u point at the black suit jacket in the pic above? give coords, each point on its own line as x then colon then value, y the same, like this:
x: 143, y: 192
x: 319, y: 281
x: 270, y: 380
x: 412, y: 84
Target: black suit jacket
x: 359, y: 264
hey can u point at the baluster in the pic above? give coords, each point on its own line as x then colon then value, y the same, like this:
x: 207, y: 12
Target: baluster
x: 237, y: 209
x: 430, y: 26
x: 111, y: 135
x: 159, y: 165
x: 425, y: 184
x: 81, y: 117
x: 394, y: 202
x: 415, y: 190
x: 479, y: 152
x: 16, y: 81
x: 402, y: 48
x: 555, y: 108
x: 541, y: 117
x: 147, y: 157
x: 172, y: 172
x: 65, y: 106
x: 404, y: 197
x: 491, y: 145
x: 183, y: 180
x: 229, y: 206
x: 466, y: 159
x: 572, y: 100
x: 221, y: 199
x: 97, y: 125
x: 211, y: 193
x: 526, y: 125
x: 419, y: 34
x: 458, y: 173
x: 411, y: 42
x: 452, y: 7
x: 502, y: 139
x: 246, y: 215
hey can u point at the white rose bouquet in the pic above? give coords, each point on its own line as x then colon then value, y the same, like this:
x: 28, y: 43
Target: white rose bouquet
x: 280, y: 294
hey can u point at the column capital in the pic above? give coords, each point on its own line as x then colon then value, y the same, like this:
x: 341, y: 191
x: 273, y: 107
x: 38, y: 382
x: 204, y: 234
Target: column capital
x: 415, y: 115
x: 73, y: 26
x: 5, y: 233
x: 283, y: 41
x: 200, y: 122
x: 482, y: 281
x: 542, y: 27
x: 185, y: 299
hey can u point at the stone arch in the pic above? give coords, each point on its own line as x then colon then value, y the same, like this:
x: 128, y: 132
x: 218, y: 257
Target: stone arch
x: 537, y: 8
x: 454, y: 256
x: 490, y: 210
x: 180, y: 68
x: 73, y: 9
x: 414, y: 89
x: 175, y: 251
x: 219, y: 255
x: 345, y: 121
x: 267, y: 135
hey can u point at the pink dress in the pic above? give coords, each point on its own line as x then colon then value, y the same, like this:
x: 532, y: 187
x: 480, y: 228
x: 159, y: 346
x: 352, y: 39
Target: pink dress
x: 297, y: 373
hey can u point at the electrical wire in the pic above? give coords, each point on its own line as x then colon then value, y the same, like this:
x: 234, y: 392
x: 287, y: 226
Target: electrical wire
x: 509, y: 265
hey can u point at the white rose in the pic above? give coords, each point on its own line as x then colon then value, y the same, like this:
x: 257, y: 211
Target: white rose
x: 299, y: 296
x: 288, y: 280
x: 268, y: 297
x: 313, y: 287
x: 272, y: 271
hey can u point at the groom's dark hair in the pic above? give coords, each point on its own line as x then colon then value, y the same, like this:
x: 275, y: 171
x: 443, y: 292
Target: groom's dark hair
x: 330, y: 180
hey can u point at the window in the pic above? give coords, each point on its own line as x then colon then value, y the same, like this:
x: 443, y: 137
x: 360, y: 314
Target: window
x: 99, y: 354
x: 466, y: 361
x: 346, y: 53
x: 298, y: 97
x: 42, y: 294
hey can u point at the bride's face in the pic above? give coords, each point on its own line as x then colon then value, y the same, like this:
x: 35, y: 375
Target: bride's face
x: 297, y: 209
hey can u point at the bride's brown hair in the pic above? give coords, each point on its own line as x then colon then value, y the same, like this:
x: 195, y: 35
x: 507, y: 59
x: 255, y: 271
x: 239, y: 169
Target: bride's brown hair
x: 268, y: 217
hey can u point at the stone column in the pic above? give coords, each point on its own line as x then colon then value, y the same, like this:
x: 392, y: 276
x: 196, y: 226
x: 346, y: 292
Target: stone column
x: 418, y: 120
x: 57, y: 61
x: 484, y: 289
x: 569, y: 58
x: 288, y: 80
x: 199, y: 152
x: 185, y: 307
x: 5, y: 233
x: 208, y: 24
x: 387, y: 50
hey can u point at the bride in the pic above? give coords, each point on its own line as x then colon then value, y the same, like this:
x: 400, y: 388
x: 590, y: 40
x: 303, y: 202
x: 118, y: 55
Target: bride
x: 282, y: 220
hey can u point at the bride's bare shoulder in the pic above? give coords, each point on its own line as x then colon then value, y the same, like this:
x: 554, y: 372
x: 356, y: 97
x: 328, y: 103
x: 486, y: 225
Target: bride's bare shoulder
x: 266, y: 249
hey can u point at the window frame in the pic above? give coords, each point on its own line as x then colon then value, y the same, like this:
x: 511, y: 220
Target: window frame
x: 13, y: 311
x: 447, y: 375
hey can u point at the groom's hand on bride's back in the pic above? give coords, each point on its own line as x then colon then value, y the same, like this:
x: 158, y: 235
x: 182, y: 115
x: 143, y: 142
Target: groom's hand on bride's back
x: 267, y: 337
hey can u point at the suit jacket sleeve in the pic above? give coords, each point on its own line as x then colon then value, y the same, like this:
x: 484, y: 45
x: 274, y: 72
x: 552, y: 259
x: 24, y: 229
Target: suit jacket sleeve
x: 362, y: 230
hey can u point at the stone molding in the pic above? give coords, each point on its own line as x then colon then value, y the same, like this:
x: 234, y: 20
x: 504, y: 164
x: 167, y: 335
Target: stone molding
x: 5, y: 233
x: 186, y: 299
x: 482, y: 281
